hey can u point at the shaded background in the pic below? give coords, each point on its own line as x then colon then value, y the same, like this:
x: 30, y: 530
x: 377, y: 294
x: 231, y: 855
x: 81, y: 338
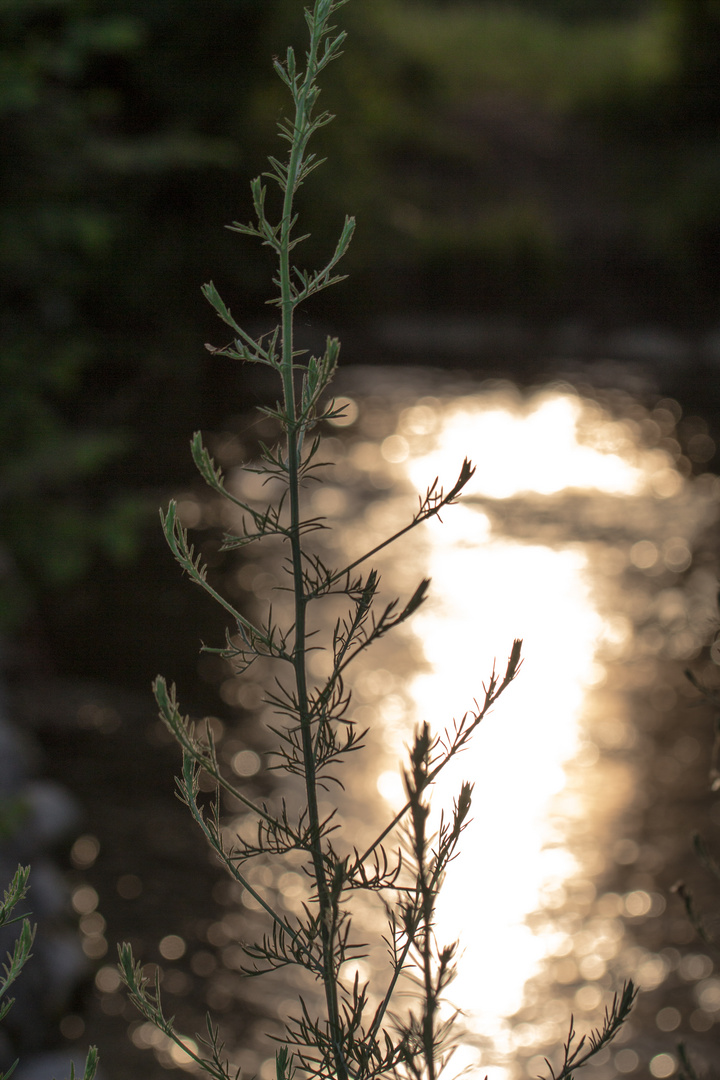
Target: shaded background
x: 533, y: 181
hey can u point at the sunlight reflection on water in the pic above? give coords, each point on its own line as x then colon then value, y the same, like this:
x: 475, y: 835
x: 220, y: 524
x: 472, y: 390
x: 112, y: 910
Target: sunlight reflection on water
x: 526, y: 449
x: 563, y: 461
x: 489, y: 589
x: 577, y: 533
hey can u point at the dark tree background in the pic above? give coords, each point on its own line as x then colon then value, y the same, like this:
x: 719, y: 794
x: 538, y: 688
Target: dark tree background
x: 130, y: 129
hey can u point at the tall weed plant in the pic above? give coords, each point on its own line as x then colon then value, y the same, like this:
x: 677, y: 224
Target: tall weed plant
x: 357, y: 1030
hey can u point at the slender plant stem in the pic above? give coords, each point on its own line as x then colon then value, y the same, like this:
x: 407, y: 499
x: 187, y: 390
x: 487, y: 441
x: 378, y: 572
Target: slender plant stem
x: 295, y: 432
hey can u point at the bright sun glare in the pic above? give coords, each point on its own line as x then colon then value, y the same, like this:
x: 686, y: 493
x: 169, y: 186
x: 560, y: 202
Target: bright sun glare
x: 486, y: 590
x: 519, y: 450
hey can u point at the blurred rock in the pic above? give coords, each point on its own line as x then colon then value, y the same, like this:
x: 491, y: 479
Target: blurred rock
x: 53, y: 814
x: 35, y: 817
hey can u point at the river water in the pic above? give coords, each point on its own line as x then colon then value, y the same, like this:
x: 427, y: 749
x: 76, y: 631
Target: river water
x: 584, y: 533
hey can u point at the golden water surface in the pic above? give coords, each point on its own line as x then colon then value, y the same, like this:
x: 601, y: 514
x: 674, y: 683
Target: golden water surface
x: 582, y: 533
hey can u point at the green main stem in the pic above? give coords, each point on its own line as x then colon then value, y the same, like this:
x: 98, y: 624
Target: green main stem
x: 295, y: 432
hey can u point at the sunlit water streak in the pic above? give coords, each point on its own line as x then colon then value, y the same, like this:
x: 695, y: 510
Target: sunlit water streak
x: 489, y: 588
x: 577, y: 534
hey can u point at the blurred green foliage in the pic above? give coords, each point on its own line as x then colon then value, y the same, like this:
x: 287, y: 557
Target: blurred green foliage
x: 54, y: 237
x: 529, y: 50
x: 695, y: 30
x: 112, y: 118
x: 125, y: 124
